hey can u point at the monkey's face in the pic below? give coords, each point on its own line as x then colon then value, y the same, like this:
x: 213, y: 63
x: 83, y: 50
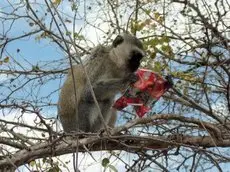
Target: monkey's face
x: 134, y: 61
x: 129, y: 51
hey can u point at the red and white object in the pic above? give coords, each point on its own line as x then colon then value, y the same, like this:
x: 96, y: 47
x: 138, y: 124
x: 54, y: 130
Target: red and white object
x: 147, y: 90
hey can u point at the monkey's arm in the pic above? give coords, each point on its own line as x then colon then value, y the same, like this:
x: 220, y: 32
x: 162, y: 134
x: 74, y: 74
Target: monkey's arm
x: 107, y: 88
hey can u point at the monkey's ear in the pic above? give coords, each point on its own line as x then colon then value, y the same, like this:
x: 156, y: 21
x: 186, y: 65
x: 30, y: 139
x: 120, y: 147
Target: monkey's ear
x: 118, y: 40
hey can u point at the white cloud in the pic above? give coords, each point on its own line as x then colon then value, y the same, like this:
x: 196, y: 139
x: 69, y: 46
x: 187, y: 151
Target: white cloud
x: 3, y: 77
x: 221, y: 109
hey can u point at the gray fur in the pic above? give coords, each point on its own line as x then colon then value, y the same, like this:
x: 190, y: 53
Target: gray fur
x: 110, y: 71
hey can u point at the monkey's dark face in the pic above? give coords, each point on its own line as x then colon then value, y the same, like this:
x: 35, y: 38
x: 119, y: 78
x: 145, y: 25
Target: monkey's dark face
x: 134, y: 61
x: 128, y: 51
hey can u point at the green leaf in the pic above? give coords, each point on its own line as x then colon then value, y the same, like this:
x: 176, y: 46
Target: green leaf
x: 74, y: 6
x: 148, y: 11
x: 44, y: 34
x: 153, y: 55
x: 157, y: 67
x: 105, y: 162
x: 31, y: 24
x: 6, y: 60
x: 54, y: 169
x: 156, y: 15
x: 78, y: 36
x: 165, y: 48
x: 35, y: 68
x: 165, y: 39
x: 154, y: 42
x: 68, y: 33
x: 56, y: 2
x: 32, y: 163
x: 44, y: 160
x: 185, y: 91
x: 112, y: 168
x: 68, y: 21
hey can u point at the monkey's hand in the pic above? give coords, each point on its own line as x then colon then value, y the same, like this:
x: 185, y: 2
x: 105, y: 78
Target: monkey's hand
x: 104, y: 89
x: 132, y: 78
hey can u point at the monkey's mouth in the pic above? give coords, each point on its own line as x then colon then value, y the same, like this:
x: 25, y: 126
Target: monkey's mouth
x: 134, y: 61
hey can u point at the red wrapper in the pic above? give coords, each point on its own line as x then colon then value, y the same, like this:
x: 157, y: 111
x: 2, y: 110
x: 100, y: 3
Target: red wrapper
x: 148, y: 89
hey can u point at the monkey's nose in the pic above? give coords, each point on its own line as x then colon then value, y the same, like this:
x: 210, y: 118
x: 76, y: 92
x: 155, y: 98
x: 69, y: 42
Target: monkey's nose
x: 134, y: 61
x: 137, y: 55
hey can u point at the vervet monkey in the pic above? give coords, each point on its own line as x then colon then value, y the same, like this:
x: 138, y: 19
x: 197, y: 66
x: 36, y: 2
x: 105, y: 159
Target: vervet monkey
x: 110, y: 70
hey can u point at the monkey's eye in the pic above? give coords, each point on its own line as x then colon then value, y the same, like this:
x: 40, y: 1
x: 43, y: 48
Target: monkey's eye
x: 118, y: 40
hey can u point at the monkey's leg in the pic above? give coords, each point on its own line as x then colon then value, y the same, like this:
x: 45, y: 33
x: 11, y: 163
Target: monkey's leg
x: 110, y: 117
x: 87, y: 115
x: 113, y: 118
x: 105, y: 107
x: 69, y: 122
